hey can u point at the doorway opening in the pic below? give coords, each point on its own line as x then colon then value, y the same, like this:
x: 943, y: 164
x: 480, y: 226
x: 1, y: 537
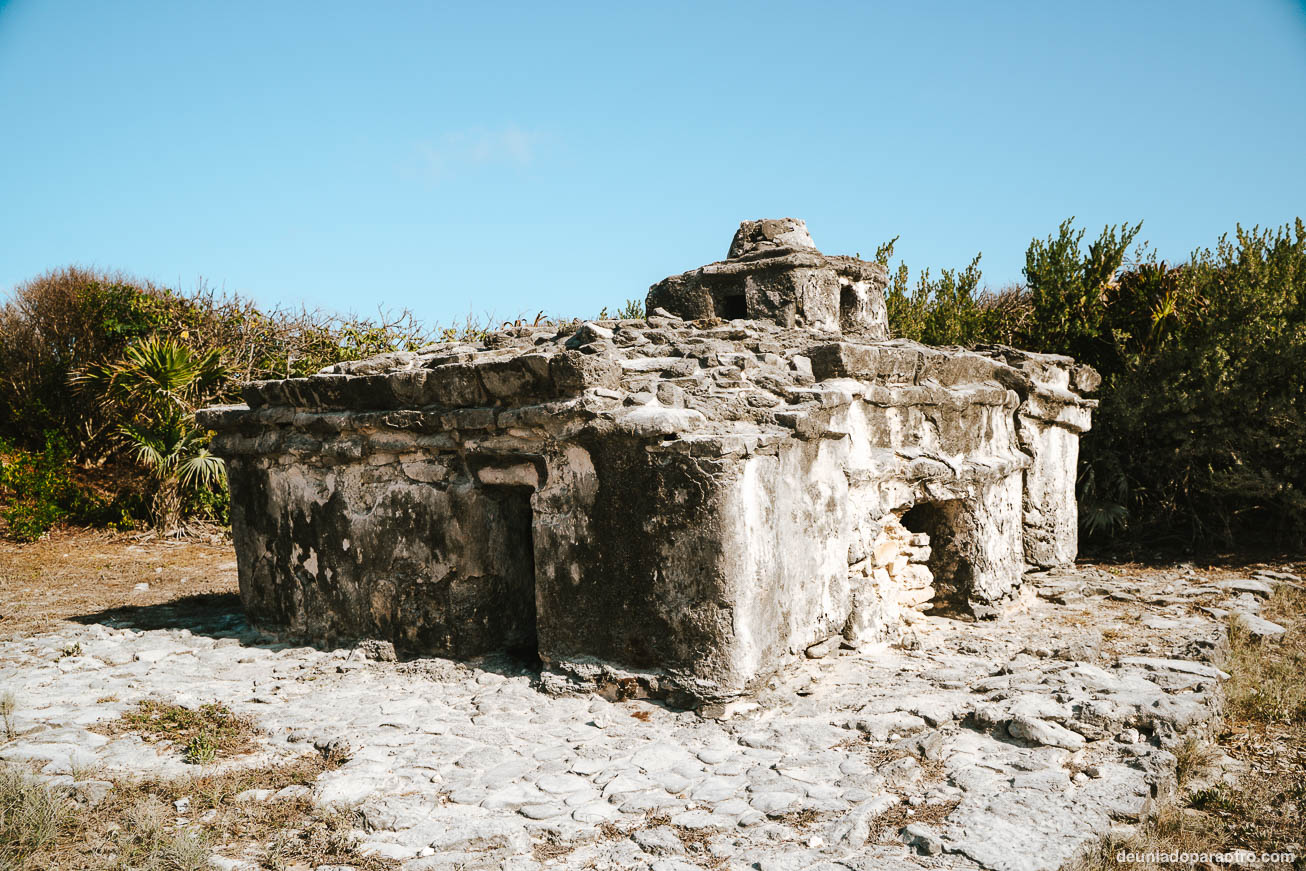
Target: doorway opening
x: 512, y: 553
x: 944, y: 523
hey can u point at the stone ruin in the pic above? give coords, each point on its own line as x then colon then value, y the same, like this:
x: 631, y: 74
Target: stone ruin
x: 674, y: 506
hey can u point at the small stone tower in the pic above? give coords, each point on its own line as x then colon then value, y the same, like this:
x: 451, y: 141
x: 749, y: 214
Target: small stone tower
x: 773, y: 272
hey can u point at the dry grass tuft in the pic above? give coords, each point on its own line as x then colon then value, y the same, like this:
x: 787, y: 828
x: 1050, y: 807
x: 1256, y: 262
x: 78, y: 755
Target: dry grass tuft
x: 1194, y: 758
x: 694, y: 840
x: 888, y: 824
x: 8, y: 704
x: 203, y: 733
x: 800, y: 820
x: 32, y: 816
x: 550, y: 848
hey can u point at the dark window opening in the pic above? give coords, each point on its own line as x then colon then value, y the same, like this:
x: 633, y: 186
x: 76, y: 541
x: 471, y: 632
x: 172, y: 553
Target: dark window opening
x: 848, y: 308
x: 734, y: 307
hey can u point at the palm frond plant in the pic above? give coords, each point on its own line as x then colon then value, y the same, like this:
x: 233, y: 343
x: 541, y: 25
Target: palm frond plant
x: 153, y: 390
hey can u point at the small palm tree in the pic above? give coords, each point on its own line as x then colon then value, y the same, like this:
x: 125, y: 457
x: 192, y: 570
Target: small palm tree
x: 177, y: 455
x: 154, y: 389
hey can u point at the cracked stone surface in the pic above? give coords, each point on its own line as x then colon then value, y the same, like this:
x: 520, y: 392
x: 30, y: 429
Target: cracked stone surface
x: 1005, y: 744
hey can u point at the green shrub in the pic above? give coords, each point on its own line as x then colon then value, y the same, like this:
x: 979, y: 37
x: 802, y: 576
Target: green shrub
x: 1205, y: 413
x: 200, y: 750
x: 1069, y: 289
x: 54, y: 325
x: 952, y: 309
x: 209, y: 504
x: 632, y: 310
x: 38, y: 493
x: 1203, y: 401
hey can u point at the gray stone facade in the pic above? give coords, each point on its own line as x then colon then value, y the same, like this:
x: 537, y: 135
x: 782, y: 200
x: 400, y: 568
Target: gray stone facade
x: 675, y: 506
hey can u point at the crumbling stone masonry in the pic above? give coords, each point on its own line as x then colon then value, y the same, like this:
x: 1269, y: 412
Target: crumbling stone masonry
x: 674, y: 506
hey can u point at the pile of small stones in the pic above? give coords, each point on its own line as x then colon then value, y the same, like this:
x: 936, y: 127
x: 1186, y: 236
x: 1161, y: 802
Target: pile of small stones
x: 1007, y: 744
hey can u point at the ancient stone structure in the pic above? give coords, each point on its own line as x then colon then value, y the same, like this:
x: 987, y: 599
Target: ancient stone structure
x: 674, y: 506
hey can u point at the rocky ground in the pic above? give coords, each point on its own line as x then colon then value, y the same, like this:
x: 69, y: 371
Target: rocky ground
x: 1007, y: 744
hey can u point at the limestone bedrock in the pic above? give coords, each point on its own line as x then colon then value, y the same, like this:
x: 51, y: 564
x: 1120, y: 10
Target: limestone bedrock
x: 677, y: 506
x: 1021, y: 740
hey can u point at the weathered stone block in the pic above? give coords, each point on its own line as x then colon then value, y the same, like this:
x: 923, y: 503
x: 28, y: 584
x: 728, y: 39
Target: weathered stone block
x: 455, y: 385
x: 573, y: 372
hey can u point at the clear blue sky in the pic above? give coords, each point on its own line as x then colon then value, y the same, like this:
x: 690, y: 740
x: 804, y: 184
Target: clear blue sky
x: 509, y: 157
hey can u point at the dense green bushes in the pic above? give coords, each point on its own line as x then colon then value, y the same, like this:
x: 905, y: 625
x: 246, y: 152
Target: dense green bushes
x: 53, y: 326
x: 1200, y: 440
x: 952, y: 309
x: 1203, y: 417
x: 37, y: 491
x: 63, y: 322
x: 96, y: 391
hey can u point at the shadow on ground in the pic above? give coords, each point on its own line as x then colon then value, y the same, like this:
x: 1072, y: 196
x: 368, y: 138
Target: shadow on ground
x: 216, y: 615
x: 220, y: 615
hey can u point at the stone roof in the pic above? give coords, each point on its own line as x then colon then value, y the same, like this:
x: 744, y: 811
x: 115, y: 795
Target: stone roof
x: 696, y: 379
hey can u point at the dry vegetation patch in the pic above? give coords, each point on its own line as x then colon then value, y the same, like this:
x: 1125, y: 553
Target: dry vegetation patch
x: 175, y: 825
x: 888, y: 825
x: 87, y: 575
x: 695, y: 840
x: 32, y: 817
x: 203, y: 733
